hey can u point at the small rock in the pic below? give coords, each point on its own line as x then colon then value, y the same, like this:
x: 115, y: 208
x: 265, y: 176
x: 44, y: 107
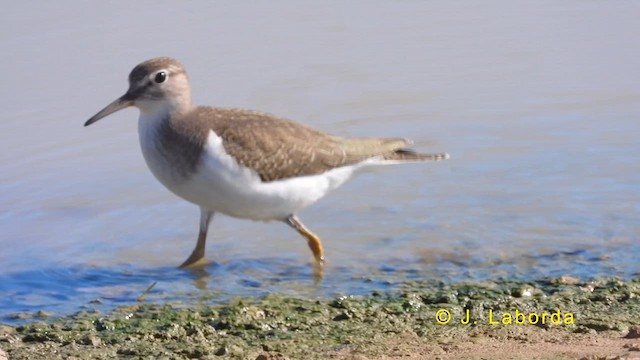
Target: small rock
x: 43, y: 314
x: 584, y: 330
x: 567, y: 280
x: 221, y: 351
x: 6, y: 330
x: 268, y: 356
x: 10, y: 338
x: 522, y: 292
x: 90, y: 340
x: 342, y: 316
x: 103, y: 324
x: 3, y: 355
x: 175, y: 331
x: 634, y: 333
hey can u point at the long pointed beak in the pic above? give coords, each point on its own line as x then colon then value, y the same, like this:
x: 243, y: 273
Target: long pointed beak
x: 118, y: 104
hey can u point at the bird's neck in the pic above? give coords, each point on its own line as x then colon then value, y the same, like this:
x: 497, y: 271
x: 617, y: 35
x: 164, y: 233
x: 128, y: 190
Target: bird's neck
x: 160, y: 111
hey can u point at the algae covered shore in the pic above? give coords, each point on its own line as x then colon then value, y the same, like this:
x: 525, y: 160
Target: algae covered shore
x: 551, y: 318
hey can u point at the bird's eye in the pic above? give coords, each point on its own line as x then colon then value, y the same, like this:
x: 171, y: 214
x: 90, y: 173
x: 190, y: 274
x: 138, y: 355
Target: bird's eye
x: 160, y: 77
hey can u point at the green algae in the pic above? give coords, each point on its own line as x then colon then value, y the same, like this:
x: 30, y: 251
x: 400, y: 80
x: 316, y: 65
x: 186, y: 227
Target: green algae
x: 306, y: 329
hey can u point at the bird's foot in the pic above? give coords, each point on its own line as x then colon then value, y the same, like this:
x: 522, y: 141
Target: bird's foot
x: 194, y: 261
x: 318, y: 269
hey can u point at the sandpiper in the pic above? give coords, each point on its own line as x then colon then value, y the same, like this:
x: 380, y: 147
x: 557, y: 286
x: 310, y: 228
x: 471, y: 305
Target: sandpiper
x: 238, y: 162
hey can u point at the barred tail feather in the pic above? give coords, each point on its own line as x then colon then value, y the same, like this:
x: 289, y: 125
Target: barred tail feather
x: 410, y: 155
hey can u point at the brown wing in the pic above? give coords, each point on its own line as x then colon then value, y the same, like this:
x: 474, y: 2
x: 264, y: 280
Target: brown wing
x: 277, y: 148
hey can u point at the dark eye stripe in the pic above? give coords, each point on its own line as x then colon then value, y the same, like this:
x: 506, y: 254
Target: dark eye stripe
x: 138, y: 91
x: 146, y: 84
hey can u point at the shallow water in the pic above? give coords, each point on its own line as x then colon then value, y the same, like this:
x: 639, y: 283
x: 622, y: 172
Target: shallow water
x: 538, y: 105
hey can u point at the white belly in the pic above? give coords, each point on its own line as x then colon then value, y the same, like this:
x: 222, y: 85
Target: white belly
x: 220, y: 184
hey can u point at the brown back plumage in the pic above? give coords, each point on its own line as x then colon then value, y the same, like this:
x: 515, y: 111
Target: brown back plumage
x: 277, y: 148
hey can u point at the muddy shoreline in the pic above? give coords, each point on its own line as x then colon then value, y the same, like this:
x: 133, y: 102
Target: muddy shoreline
x: 568, y: 317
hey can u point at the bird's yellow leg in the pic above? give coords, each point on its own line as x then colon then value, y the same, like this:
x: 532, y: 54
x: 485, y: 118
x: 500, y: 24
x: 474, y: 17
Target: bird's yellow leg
x: 312, y: 239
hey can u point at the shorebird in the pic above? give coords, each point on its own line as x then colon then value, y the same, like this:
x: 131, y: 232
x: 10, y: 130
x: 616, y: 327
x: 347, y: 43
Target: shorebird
x: 242, y: 163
